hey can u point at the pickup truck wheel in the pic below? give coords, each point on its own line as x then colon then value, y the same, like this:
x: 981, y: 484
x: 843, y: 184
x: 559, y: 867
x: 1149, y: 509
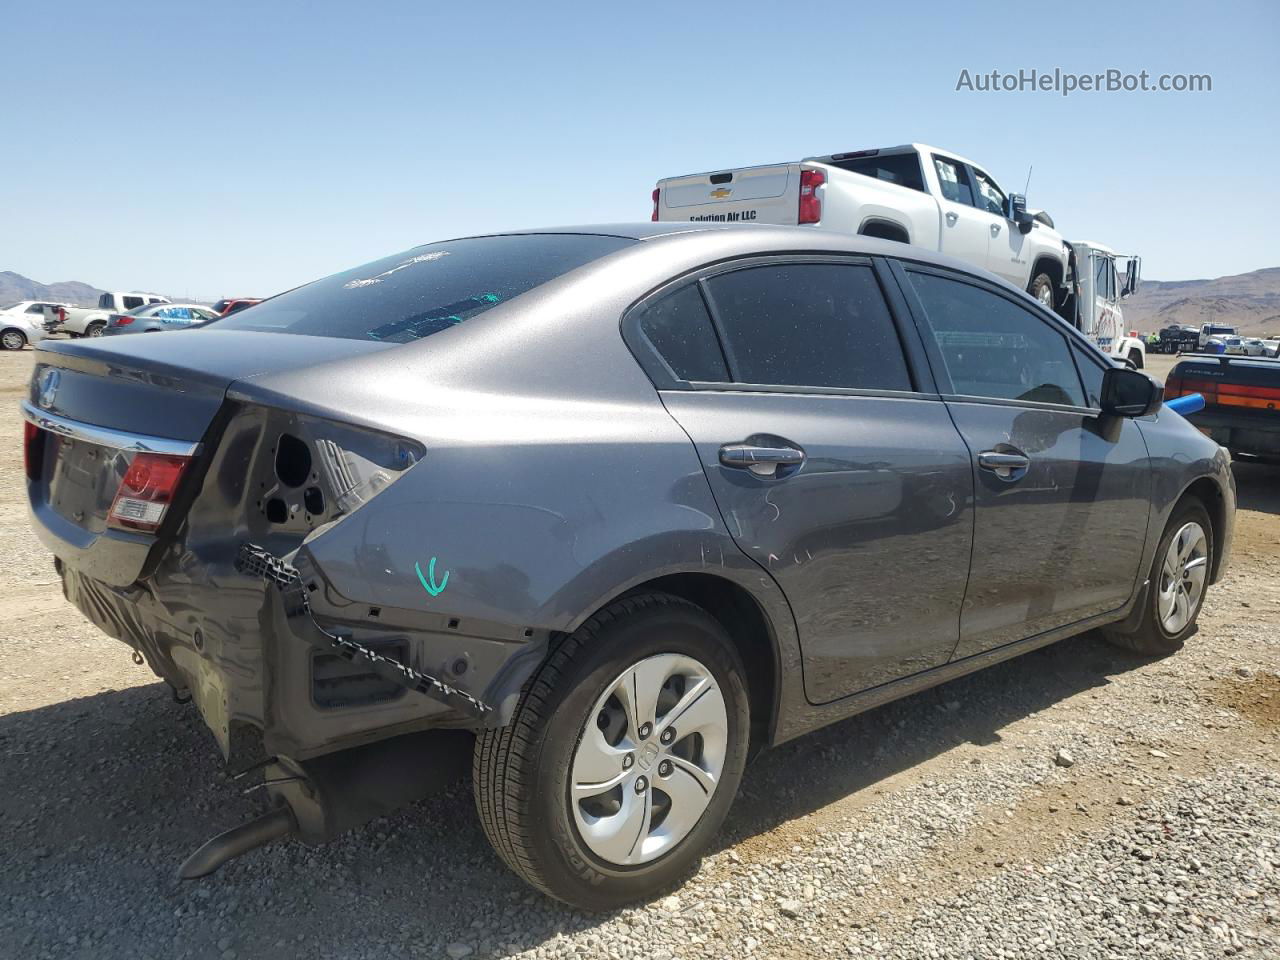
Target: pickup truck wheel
x: 1042, y: 289
x: 13, y: 340
x: 94, y: 329
x: 1179, y: 579
x: 1135, y: 358
x: 622, y: 758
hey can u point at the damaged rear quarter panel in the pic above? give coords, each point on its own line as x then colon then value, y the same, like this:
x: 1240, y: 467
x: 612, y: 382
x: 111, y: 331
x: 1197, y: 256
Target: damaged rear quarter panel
x: 552, y: 480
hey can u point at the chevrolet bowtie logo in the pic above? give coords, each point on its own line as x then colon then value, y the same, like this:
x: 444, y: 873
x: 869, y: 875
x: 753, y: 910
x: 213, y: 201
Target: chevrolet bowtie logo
x: 720, y: 193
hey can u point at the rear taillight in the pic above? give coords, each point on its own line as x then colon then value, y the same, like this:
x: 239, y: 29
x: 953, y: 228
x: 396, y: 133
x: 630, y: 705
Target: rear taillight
x: 810, y: 202
x: 32, y: 449
x: 1220, y: 394
x: 62, y: 315
x: 146, y: 491
x: 656, y: 192
x: 121, y: 320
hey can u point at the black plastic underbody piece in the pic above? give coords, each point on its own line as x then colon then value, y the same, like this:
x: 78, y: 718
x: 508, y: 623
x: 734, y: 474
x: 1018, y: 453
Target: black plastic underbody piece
x: 254, y: 561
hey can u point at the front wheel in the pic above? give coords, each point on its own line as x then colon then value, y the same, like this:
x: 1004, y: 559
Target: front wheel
x: 1179, y: 580
x: 623, y: 757
x: 1042, y: 289
x: 13, y: 340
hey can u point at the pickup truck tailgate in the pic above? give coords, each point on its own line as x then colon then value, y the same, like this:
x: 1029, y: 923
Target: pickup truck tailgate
x: 765, y: 194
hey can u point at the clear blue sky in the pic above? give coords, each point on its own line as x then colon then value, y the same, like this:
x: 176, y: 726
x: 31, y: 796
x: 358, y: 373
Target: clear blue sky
x: 241, y: 148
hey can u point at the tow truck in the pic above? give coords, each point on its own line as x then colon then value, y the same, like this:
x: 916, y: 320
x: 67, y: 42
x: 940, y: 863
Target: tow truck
x: 1093, y: 305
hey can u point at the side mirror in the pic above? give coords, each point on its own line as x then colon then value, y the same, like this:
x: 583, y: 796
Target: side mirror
x: 1018, y: 212
x: 1130, y: 393
x: 1132, y: 277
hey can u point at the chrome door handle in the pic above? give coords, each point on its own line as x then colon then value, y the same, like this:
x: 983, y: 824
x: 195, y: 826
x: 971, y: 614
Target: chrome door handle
x: 951, y: 219
x: 1006, y: 466
x: 760, y: 460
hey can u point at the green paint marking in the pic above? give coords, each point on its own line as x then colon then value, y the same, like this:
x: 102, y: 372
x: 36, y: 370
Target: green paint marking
x: 429, y: 581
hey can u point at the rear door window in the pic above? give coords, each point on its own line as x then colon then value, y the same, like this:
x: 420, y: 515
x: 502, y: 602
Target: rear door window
x: 809, y: 325
x: 993, y: 348
x: 131, y: 303
x: 425, y: 290
x: 679, y: 328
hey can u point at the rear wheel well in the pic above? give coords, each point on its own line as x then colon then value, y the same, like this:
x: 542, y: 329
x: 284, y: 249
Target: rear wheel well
x: 1210, y: 497
x: 748, y: 628
x: 885, y: 230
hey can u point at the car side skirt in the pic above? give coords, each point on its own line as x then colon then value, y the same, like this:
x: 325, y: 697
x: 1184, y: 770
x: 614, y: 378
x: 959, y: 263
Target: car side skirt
x: 800, y: 721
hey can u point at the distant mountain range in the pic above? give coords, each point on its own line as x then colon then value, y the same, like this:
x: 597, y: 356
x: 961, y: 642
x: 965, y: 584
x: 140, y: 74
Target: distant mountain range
x: 14, y: 286
x: 1249, y: 301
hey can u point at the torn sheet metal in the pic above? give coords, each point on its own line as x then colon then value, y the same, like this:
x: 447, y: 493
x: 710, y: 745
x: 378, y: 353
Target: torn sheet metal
x: 254, y: 561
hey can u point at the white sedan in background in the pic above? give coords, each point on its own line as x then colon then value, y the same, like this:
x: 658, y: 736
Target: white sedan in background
x: 22, y: 323
x: 1254, y: 347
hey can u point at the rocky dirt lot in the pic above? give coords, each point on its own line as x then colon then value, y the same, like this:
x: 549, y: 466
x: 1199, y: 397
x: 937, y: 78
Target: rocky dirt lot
x: 1076, y: 802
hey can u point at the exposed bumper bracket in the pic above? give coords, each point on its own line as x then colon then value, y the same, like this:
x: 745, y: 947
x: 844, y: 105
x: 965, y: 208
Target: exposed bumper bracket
x: 257, y: 562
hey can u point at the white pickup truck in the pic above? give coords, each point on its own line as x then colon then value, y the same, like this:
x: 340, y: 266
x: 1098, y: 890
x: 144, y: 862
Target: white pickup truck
x: 91, y: 321
x: 913, y: 193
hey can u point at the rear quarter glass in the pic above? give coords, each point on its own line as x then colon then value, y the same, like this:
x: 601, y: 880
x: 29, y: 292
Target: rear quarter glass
x: 422, y: 291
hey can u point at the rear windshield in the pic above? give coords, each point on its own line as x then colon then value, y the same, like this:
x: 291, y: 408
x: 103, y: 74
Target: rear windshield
x: 900, y: 168
x: 424, y: 290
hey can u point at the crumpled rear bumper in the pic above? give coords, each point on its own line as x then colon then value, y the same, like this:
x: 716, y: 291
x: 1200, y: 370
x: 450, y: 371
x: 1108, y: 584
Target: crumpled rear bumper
x: 265, y: 691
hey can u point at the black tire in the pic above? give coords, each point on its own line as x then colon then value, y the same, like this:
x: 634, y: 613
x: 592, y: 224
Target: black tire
x: 521, y: 772
x: 1041, y: 287
x: 94, y: 329
x: 1135, y: 358
x: 1150, y: 637
x: 12, y: 339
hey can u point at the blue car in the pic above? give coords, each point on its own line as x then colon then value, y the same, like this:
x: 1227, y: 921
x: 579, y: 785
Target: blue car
x: 154, y: 317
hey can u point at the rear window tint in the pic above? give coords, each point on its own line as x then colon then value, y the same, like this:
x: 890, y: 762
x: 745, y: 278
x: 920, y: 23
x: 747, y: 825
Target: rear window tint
x: 424, y: 290
x: 809, y: 325
x: 900, y: 168
x: 679, y: 328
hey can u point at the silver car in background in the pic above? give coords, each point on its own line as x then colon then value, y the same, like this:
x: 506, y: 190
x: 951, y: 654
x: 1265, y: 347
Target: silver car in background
x: 22, y: 323
x: 600, y: 512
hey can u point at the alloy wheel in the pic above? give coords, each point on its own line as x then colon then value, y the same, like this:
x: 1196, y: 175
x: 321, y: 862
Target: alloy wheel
x: 1182, y: 577
x: 649, y: 759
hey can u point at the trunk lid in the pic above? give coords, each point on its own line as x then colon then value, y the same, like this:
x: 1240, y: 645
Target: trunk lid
x: 763, y: 194
x: 93, y: 405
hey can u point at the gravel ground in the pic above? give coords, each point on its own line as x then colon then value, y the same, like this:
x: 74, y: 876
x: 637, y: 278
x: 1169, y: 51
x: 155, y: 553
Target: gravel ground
x: 1076, y: 802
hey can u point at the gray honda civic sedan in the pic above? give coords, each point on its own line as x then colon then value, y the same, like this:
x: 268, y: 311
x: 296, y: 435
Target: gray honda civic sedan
x: 609, y: 509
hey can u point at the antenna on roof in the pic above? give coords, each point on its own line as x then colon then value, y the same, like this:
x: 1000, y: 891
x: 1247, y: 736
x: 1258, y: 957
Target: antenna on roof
x: 1028, y: 186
